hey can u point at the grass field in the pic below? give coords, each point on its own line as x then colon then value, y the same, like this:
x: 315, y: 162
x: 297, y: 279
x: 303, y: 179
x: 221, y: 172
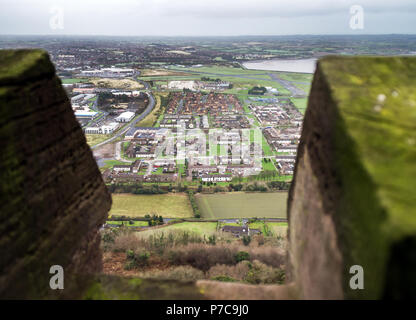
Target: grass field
x: 167, y: 205
x: 242, y: 205
x: 160, y: 73
x: 110, y: 163
x: 151, y: 118
x: 217, y: 69
x: 268, y: 166
x: 300, y: 104
x: 278, y: 228
x: 258, y: 225
x: 124, y: 84
x: 127, y: 223
x: 200, y: 228
x: 93, y: 139
x: 73, y: 80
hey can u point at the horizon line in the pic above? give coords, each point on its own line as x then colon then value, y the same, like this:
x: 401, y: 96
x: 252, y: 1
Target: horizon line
x: 209, y: 36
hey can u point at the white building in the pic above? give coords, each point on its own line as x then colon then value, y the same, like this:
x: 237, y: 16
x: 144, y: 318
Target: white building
x: 125, y: 116
x: 205, y: 122
x: 85, y: 114
x: 108, y: 72
x: 122, y: 168
x: 281, y: 158
x: 105, y: 129
x: 134, y: 93
x: 289, y: 149
x: 216, y: 178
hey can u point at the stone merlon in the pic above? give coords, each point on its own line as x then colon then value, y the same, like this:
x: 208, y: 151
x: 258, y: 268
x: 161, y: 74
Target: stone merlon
x: 53, y: 199
x: 352, y: 201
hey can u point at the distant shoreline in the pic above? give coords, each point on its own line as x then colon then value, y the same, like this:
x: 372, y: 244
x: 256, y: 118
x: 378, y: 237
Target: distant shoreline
x: 282, y: 65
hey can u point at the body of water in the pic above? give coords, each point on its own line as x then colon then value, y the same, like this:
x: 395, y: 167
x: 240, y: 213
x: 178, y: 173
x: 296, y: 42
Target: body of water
x: 287, y: 65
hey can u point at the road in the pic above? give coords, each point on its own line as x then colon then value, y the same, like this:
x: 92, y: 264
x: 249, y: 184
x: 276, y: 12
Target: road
x: 131, y: 124
x: 118, y: 153
x: 295, y: 91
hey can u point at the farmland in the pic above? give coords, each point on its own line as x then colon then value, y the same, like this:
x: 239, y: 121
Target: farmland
x: 242, y: 205
x: 167, y: 205
x: 273, y: 229
x: 200, y: 228
x: 129, y: 223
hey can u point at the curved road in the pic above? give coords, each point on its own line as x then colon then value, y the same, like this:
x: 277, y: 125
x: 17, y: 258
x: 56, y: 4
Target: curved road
x: 132, y: 123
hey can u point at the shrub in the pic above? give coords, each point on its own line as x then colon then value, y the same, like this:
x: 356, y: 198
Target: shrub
x: 212, y: 239
x: 261, y: 273
x: 111, y: 238
x: 246, y: 240
x: 194, y: 206
x: 237, y: 272
x: 154, y: 220
x: 136, y: 260
x: 260, y: 240
x: 108, y: 237
x: 124, y: 241
x: 241, y: 256
x: 223, y: 278
x: 272, y: 256
x: 201, y: 256
x: 184, y: 273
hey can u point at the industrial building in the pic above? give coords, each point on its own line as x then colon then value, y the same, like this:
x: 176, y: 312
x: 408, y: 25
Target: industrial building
x: 105, y: 129
x: 125, y: 116
x: 85, y: 114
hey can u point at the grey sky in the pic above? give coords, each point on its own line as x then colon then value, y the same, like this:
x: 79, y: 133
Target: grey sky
x: 206, y: 17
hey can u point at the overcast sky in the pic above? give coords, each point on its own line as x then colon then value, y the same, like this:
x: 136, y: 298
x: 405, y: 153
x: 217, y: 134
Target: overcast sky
x: 204, y: 17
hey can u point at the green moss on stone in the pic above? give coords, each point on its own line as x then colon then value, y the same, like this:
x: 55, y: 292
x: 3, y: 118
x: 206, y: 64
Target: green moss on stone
x: 375, y: 157
x: 17, y: 66
x: 121, y: 288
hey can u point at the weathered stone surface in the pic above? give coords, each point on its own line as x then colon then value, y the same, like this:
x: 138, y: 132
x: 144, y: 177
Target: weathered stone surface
x: 125, y: 288
x: 353, y: 197
x: 53, y: 199
x: 240, y: 291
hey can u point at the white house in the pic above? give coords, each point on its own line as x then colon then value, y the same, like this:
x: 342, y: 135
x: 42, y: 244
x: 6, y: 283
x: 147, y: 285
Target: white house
x: 216, y: 178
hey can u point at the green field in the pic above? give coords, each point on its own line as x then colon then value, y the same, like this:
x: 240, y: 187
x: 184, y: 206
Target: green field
x: 110, y: 163
x: 73, y: 80
x: 278, y: 228
x: 200, y: 228
x: 300, y: 104
x: 167, y: 205
x: 93, y: 139
x: 128, y: 224
x: 242, y: 205
x: 268, y: 166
